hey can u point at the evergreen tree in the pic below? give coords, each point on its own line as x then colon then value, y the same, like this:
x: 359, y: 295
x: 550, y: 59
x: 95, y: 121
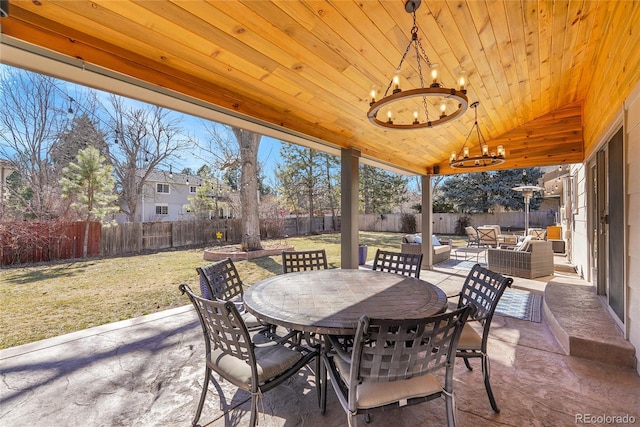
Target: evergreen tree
x: 89, y: 182
x: 483, y: 191
x: 381, y: 191
x: 305, y: 178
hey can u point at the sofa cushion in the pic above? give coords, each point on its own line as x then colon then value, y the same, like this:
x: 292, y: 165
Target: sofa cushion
x: 441, y: 249
x: 525, y: 245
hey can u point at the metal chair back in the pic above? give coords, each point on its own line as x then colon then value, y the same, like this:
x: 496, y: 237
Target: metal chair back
x: 304, y: 260
x: 398, y: 262
x: 220, y: 280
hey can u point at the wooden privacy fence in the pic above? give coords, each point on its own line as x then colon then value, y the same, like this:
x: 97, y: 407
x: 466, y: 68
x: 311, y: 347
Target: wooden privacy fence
x: 138, y: 236
x: 29, y: 242
x: 445, y: 223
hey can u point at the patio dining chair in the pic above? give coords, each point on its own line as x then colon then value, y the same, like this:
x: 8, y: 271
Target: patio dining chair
x: 406, y: 264
x: 392, y: 363
x: 304, y: 260
x: 472, y: 236
x: 488, y: 236
x: 220, y: 280
x: 538, y: 233
x: 255, y: 364
x: 482, y: 288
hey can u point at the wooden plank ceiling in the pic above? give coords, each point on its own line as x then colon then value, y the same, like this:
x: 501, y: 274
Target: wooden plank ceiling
x: 309, y: 66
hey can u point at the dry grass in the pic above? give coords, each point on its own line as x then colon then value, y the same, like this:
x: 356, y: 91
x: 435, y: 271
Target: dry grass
x: 45, y: 301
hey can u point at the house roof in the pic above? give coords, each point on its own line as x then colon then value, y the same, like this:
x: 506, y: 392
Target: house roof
x: 307, y: 67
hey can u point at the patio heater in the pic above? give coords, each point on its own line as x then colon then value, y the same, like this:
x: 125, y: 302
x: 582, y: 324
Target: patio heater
x: 527, y: 192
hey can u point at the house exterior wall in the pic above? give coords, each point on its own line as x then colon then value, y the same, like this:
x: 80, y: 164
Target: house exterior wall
x: 580, y: 247
x: 632, y: 250
x: 175, y: 201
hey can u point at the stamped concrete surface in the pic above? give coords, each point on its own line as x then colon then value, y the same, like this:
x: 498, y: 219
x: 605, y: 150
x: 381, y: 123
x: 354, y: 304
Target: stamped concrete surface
x: 148, y: 372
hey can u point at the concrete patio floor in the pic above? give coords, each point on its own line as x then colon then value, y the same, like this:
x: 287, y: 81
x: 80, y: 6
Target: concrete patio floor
x: 148, y: 372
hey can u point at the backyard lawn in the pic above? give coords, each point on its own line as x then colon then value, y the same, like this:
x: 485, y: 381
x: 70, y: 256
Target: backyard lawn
x: 45, y: 301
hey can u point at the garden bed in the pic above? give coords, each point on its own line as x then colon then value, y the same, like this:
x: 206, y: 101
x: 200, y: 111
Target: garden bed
x: 237, y: 254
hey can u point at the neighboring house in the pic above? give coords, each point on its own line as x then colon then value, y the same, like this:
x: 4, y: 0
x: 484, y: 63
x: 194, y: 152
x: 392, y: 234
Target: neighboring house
x: 165, y: 197
x: 6, y: 169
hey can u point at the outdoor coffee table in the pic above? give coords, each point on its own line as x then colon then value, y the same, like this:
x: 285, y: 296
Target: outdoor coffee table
x: 330, y: 302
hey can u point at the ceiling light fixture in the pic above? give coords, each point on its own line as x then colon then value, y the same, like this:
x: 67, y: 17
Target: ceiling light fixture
x: 486, y: 158
x: 411, y: 107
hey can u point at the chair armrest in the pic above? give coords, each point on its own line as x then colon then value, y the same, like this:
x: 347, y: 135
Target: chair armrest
x: 274, y: 339
x: 340, y: 351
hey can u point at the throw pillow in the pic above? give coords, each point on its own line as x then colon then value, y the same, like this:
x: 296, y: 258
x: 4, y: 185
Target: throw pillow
x: 434, y: 240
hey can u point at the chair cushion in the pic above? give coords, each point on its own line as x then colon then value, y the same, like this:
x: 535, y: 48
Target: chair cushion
x: 271, y: 361
x: 250, y: 320
x: 469, y: 339
x: 371, y: 394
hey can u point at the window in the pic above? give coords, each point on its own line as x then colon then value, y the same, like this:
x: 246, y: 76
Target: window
x: 162, y: 210
x: 192, y: 189
x: 162, y: 188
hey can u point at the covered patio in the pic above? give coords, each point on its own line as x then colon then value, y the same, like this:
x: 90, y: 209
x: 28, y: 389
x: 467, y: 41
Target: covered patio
x: 148, y: 371
x: 556, y: 81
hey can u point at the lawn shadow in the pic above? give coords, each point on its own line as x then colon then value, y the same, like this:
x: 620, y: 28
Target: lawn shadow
x: 25, y: 276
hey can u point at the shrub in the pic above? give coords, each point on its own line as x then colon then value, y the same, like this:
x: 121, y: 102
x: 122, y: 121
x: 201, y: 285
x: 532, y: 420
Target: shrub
x: 461, y: 223
x: 408, y: 223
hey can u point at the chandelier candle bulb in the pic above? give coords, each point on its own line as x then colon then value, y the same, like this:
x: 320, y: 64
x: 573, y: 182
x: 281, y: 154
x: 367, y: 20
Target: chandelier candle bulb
x: 500, y: 151
x: 465, y: 152
x: 396, y: 82
x: 434, y: 76
x: 461, y: 82
x: 373, y: 96
x: 485, y: 150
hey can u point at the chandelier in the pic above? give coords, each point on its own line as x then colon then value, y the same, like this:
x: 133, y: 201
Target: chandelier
x: 410, y: 109
x: 485, y: 158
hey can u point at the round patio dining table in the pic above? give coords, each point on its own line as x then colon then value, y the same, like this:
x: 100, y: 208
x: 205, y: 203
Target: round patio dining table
x: 330, y: 302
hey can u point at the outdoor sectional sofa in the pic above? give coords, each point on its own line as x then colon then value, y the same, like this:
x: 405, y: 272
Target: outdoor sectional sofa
x: 535, y: 260
x: 412, y: 244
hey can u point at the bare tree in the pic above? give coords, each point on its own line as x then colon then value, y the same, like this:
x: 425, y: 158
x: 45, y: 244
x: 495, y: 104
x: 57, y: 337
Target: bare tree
x: 35, y: 113
x: 143, y: 139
